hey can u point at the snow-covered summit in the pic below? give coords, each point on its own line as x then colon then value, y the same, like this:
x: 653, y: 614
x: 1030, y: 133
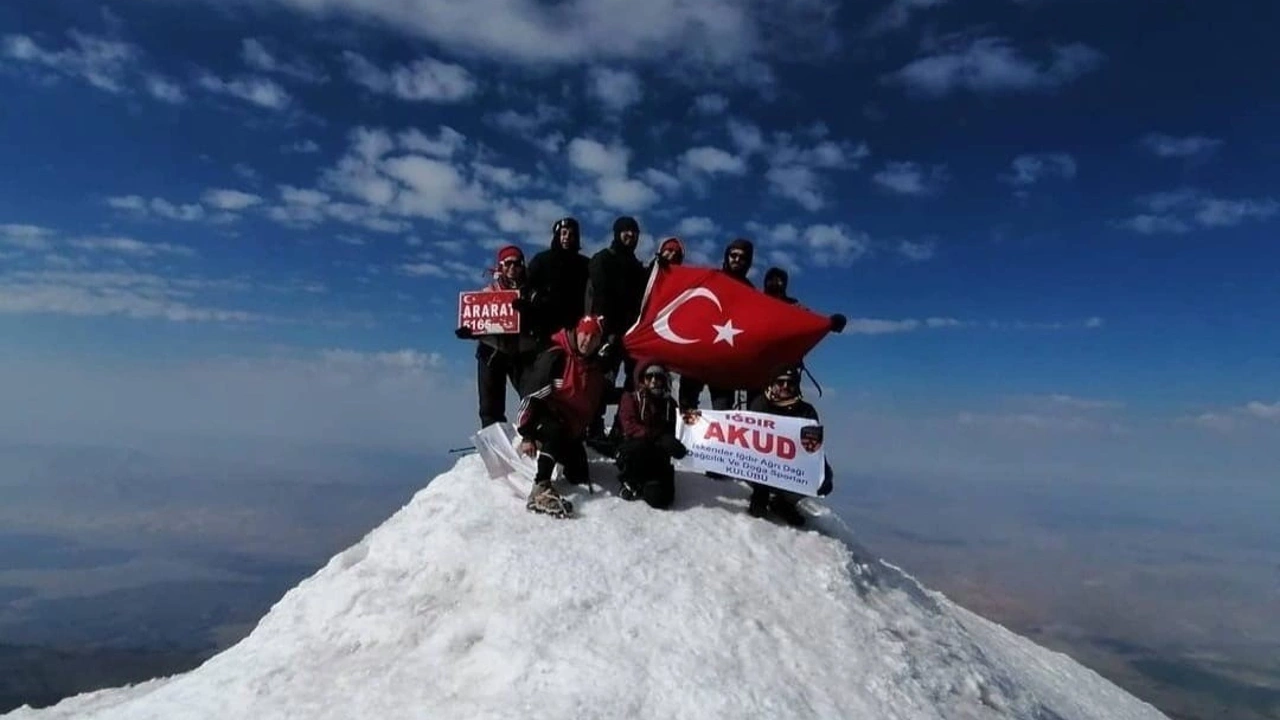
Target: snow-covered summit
x: 464, y: 605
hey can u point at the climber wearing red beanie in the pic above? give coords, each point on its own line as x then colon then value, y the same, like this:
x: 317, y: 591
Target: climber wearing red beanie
x: 563, y: 388
x: 503, y: 358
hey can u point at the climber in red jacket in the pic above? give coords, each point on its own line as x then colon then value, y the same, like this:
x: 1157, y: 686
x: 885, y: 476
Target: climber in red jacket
x: 562, y: 390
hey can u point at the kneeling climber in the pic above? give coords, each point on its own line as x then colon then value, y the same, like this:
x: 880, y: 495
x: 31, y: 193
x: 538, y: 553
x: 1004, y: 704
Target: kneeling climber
x: 783, y: 397
x: 649, y: 443
x: 563, y: 389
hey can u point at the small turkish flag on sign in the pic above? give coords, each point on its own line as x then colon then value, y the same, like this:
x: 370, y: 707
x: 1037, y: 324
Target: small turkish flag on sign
x: 707, y: 325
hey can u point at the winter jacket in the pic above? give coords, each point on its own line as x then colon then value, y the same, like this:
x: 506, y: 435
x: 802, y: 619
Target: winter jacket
x: 646, y: 416
x: 615, y: 287
x: 531, y: 330
x: 562, y: 388
x: 798, y: 408
x: 558, y: 283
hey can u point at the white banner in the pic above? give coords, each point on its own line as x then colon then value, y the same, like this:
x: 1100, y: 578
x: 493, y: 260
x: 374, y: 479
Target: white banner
x: 781, y: 452
x: 496, y: 445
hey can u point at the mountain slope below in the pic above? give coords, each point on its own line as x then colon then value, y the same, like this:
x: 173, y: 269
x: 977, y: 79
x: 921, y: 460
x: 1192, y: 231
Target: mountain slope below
x: 463, y: 605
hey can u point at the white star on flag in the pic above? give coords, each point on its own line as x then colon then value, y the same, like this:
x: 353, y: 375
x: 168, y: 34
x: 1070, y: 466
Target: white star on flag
x: 725, y: 332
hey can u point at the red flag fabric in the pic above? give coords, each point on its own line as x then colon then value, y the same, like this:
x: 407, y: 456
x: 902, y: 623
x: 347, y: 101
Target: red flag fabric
x: 703, y: 323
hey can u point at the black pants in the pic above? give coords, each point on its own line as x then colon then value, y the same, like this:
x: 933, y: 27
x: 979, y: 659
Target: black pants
x: 560, y: 448
x: 628, y: 364
x: 647, y: 468
x: 493, y: 371
x: 789, y: 497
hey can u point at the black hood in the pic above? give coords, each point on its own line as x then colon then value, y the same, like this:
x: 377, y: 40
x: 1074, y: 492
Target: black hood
x: 740, y: 244
x: 777, y: 272
x: 620, y: 226
x: 577, y: 234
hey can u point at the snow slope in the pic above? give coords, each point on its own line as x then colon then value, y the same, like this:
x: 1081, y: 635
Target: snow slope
x: 463, y: 605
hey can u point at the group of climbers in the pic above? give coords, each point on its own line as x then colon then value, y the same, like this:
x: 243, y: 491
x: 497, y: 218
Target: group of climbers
x: 563, y: 363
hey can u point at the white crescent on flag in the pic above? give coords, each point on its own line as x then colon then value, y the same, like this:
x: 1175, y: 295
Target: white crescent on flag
x: 662, y: 323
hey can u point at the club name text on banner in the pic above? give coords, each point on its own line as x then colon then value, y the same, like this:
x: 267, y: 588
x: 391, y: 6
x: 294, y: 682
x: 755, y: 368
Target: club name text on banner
x: 489, y: 312
x: 774, y: 450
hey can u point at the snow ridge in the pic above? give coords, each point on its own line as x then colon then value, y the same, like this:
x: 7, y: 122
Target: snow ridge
x: 463, y: 605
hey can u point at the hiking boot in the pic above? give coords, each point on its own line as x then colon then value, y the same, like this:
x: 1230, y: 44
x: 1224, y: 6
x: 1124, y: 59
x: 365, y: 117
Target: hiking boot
x: 759, y: 503
x: 787, y: 511
x: 628, y: 491
x: 544, y: 499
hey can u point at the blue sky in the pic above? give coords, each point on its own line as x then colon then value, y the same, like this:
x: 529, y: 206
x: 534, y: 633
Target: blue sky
x: 1044, y: 217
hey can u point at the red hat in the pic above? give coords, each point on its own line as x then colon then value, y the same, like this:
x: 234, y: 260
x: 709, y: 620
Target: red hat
x: 508, y: 252
x: 589, y: 325
x: 671, y: 241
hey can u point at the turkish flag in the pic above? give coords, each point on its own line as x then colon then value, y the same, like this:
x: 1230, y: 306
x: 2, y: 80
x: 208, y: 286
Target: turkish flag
x: 707, y: 325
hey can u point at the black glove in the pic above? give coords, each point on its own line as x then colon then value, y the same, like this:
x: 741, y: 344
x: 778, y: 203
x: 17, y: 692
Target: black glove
x: 671, y: 446
x: 522, y: 304
x: 826, y: 487
x: 609, y: 349
x: 464, y: 333
x: 838, y: 322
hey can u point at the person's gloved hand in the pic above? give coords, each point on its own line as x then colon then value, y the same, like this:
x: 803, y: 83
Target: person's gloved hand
x: 609, y: 349
x: 826, y: 487
x: 838, y: 322
x: 522, y: 304
x: 464, y: 333
x: 673, y: 447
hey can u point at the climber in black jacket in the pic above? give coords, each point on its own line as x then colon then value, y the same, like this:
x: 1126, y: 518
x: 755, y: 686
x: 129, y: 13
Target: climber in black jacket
x: 558, y: 276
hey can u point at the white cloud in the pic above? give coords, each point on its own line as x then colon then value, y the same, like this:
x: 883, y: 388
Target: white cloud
x: 1146, y: 224
x: 165, y: 90
x: 445, y: 144
x: 695, y: 226
x: 129, y: 246
x: 255, y: 90
x: 626, y: 195
x: 1030, y: 169
x: 596, y: 158
x: 875, y: 326
x: 1039, y: 423
x: 188, y: 212
x: 424, y: 269
x: 26, y: 237
x: 797, y: 183
x: 531, y: 218
x: 724, y: 34
x: 256, y: 55
x: 1194, y: 146
x: 305, y: 146
x: 423, y: 79
x: 822, y: 245
x: 96, y: 293
x: 1178, y: 211
x: 746, y: 136
x: 661, y: 180
x: 502, y: 177
x: 387, y: 399
x: 230, y: 200
x: 712, y: 161
x: 615, y: 89
x: 898, y: 15
x: 917, y: 251
x: 911, y: 178
x: 432, y: 188
x: 1255, y: 414
x: 991, y: 65
x: 529, y: 125
x: 711, y: 104
x: 101, y: 62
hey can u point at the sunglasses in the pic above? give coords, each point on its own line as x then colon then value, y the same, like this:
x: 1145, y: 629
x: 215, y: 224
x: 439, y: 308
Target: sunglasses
x: 511, y: 263
x: 737, y: 255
